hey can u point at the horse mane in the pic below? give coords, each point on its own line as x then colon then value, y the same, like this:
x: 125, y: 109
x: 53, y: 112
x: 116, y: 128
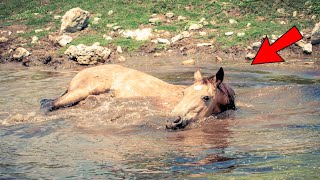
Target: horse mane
x: 227, y: 91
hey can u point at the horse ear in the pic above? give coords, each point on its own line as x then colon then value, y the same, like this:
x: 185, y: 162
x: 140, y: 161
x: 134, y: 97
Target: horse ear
x: 198, y: 75
x: 218, y: 78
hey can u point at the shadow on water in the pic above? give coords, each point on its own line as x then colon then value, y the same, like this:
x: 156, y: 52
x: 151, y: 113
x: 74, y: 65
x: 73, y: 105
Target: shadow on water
x: 274, y: 133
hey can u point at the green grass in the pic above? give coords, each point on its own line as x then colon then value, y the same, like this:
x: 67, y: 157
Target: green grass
x: 131, y: 14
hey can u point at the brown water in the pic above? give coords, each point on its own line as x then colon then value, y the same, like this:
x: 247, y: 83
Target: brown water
x: 274, y: 133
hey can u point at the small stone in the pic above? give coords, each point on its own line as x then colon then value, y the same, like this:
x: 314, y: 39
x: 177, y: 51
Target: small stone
x: 157, y: 54
x: 155, y: 21
x: 232, y: 21
x: 241, y: 34
x: 110, y: 12
x: 139, y: 34
x: 3, y: 39
x: 181, y: 18
x: 38, y: 30
x: 163, y: 41
x: 111, y: 25
x: 20, y: 32
x: 313, y: 17
x: 36, y: 14
x: 34, y: 39
x: 249, y: 25
x: 57, y: 17
x: 96, y: 20
x: 184, y: 34
x: 256, y: 45
x: 195, y: 26
x: 228, y: 33
x: 294, y: 14
x: 116, y: 28
x: 213, y: 22
x: 250, y: 56
x: 20, y: 53
x: 202, y: 20
x: 64, y: 40
x: 307, y: 48
x: 122, y: 59
x: 106, y: 37
x: 119, y: 49
x: 202, y: 33
x: 218, y: 59
x: 74, y: 20
x: 274, y: 37
x: 182, y: 49
x: 204, y: 44
x: 282, y: 22
x: 189, y: 62
x: 169, y: 15
x: 281, y: 11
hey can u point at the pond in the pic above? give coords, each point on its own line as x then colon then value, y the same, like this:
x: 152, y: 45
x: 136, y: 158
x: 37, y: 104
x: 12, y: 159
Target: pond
x: 275, y: 133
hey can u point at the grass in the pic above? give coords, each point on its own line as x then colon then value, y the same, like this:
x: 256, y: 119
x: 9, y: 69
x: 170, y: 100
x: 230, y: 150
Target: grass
x: 131, y: 14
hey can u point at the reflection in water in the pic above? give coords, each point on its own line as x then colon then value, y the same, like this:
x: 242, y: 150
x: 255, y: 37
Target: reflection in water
x: 274, y: 133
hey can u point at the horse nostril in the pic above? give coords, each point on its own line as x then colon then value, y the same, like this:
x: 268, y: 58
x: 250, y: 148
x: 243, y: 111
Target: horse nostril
x: 177, y: 120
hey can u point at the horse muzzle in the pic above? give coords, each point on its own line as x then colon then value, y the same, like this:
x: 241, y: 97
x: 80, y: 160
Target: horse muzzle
x: 177, y: 123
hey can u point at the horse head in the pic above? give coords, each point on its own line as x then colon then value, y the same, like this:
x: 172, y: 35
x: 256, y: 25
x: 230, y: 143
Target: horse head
x: 207, y: 96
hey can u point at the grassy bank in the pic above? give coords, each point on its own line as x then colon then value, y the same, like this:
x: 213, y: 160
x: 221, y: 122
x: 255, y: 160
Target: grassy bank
x: 132, y: 14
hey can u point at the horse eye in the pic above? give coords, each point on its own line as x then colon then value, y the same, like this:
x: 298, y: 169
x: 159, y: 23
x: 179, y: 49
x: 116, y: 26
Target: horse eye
x: 205, y: 98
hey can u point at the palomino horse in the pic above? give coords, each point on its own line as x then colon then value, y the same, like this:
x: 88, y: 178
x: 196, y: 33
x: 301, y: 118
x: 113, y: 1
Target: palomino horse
x: 205, y: 97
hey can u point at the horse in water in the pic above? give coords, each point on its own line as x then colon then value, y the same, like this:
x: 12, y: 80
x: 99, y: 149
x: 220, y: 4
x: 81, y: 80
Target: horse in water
x: 207, y: 96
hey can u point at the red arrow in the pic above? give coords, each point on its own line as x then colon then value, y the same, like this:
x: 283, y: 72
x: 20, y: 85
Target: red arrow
x: 268, y: 53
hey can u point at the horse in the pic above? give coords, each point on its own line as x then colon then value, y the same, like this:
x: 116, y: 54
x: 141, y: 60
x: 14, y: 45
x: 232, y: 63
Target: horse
x: 207, y: 96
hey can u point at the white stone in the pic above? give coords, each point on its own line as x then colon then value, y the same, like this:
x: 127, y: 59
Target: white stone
x: 96, y: 20
x: 169, y: 15
x: 116, y: 28
x: 74, y: 20
x: 202, y: 33
x: 181, y: 18
x: 184, y: 34
x: 122, y: 59
x: 38, y: 30
x: 20, y: 32
x: 119, y: 49
x: 57, y: 17
x: 88, y: 54
x: 307, y: 48
x: 294, y: 14
x: 228, y: 33
x: 256, y: 45
x: 155, y: 20
x: 64, y: 40
x: 250, y: 56
x: 195, y: 26
x: 241, y: 34
x: 20, y: 53
x: 3, y: 39
x: 163, y: 41
x: 281, y: 11
x: 188, y: 62
x: 232, y: 21
x: 34, y: 39
x: 139, y: 34
x: 106, y: 37
x: 110, y: 12
x: 249, y: 25
x: 204, y: 44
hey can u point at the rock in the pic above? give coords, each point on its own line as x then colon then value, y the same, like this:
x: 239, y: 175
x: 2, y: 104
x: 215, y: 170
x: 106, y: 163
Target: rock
x: 313, y: 17
x: 96, y: 20
x: 139, y: 34
x: 163, y: 41
x: 122, y: 59
x: 241, y: 34
x: 157, y: 54
x: 38, y: 30
x: 20, y: 53
x: 74, y: 20
x: 249, y: 25
x: 57, y: 17
x: 106, y: 37
x: 282, y: 22
x: 250, y: 56
x: 213, y: 22
x: 184, y: 34
x: 181, y: 18
x: 228, y: 33
x: 274, y: 37
x: 116, y: 28
x: 3, y: 39
x: 281, y: 11
x: 204, y: 44
x: 119, y: 49
x: 169, y: 15
x: 202, y: 33
x: 195, y: 26
x: 218, y: 59
x: 63, y: 40
x: 315, y: 34
x: 188, y: 62
x: 20, y: 32
x: 256, y: 45
x: 34, y: 40
x: 232, y: 21
x: 155, y: 21
x: 110, y: 12
x: 294, y: 14
x: 307, y: 48
x: 88, y: 54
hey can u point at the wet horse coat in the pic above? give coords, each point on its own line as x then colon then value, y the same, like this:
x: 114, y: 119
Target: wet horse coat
x: 205, y: 97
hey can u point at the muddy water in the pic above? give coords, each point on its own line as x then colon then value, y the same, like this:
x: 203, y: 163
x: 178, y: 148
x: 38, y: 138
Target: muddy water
x: 274, y: 133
